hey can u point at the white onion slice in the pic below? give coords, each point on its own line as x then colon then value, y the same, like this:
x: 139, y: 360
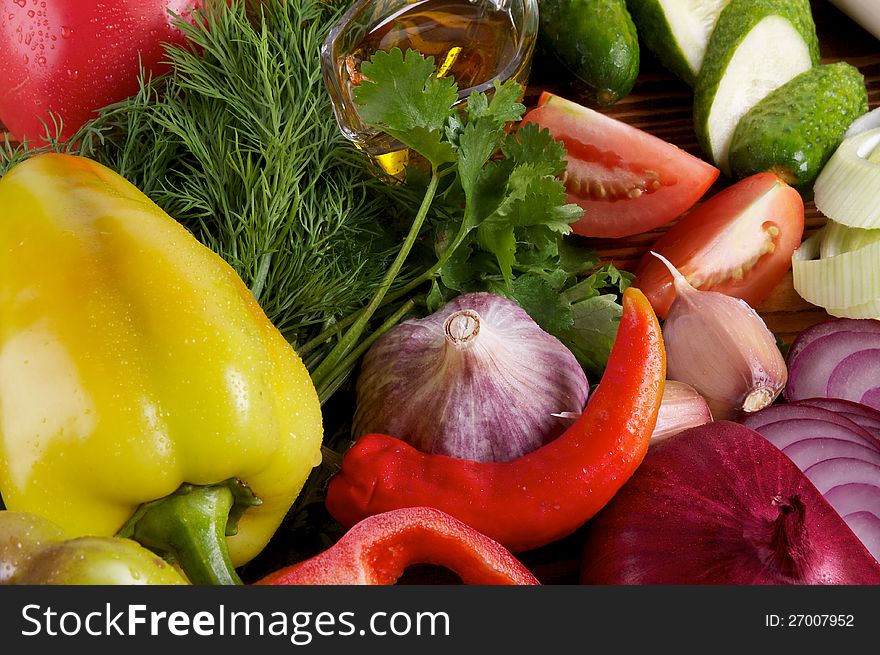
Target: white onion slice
x: 850, y: 278
x: 869, y: 309
x: 863, y: 123
x: 845, y: 190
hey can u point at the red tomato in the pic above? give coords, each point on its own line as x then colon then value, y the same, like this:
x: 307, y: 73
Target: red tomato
x: 739, y: 242
x: 626, y: 180
x: 71, y: 57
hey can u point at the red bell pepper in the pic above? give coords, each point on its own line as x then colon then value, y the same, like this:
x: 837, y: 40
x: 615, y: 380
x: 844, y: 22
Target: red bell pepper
x: 545, y: 494
x: 378, y: 549
x: 71, y: 57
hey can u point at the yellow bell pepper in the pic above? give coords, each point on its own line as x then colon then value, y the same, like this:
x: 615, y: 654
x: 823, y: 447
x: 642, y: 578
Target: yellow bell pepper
x: 135, y: 363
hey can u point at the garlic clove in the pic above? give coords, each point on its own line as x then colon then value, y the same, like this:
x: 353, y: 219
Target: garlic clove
x: 721, y: 346
x: 681, y: 407
x: 478, y: 380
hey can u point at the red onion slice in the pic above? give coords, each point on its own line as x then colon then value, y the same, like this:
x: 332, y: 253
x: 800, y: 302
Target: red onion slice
x: 855, y: 498
x: 784, y: 433
x: 839, y: 471
x: 810, y: 334
x: 855, y: 378
x: 809, y: 451
x: 810, y: 371
x: 867, y: 528
x: 862, y: 415
x: 792, y: 411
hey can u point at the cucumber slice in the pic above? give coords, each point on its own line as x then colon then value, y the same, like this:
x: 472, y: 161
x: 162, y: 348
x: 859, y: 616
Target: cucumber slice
x: 844, y: 280
x: 846, y: 189
x: 756, y: 47
x: 677, y: 31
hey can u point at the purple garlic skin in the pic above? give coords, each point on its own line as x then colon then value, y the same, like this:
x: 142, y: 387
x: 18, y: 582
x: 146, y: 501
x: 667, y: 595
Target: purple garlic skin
x: 477, y: 380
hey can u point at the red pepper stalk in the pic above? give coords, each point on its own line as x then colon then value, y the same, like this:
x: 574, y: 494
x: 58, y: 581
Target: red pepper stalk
x: 539, y: 497
x: 377, y: 550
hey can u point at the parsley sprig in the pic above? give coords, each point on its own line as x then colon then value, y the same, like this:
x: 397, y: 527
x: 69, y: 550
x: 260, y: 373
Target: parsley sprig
x: 502, y: 216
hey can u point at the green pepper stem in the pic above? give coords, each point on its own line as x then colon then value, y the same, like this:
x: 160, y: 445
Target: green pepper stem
x: 189, y: 526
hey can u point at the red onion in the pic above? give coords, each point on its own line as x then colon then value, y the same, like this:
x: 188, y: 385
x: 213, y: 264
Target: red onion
x: 839, y: 350
x: 837, y: 455
x: 823, y: 328
x: 719, y: 504
x: 862, y: 415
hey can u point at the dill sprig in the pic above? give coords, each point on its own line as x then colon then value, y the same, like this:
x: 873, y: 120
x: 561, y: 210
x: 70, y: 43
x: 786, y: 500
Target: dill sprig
x: 239, y: 144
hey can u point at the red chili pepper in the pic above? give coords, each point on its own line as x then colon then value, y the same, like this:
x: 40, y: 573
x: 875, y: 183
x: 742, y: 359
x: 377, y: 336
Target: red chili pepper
x: 378, y: 549
x: 539, y: 497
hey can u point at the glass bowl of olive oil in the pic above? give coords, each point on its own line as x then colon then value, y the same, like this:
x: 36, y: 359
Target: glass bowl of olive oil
x: 477, y: 42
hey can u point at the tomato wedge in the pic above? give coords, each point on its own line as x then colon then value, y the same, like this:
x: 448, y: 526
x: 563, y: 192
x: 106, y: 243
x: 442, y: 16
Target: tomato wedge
x: 738, y: 242
x: 626, y: 180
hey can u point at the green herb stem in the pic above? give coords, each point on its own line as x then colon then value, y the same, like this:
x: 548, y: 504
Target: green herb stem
x: 339, y: 376
x: 433, y: 271
x: 324, y: 373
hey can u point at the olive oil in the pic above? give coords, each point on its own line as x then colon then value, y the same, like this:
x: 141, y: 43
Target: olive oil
x: 471, y: 41
x: 476, y: 42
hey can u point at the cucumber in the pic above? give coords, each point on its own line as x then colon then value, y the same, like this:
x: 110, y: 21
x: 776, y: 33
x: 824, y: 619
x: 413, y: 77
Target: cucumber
x: 677, y: 31
x: 596, y: 41
x: 756, y: 47
x: 795, y: 129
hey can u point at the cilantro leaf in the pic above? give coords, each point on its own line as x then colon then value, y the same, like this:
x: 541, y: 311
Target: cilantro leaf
x: 594, y: 328
x: 402, y: 95
x: 607, y: 278
x: 535, y: 295
x: 504, y: 106
x: 534, y: 145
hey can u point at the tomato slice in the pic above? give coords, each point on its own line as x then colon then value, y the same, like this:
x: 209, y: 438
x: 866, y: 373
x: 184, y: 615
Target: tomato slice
x: 738, y: 242
x: 626, y: 180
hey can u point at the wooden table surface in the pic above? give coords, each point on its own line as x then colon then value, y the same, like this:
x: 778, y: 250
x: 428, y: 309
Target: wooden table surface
x: 661, y: 105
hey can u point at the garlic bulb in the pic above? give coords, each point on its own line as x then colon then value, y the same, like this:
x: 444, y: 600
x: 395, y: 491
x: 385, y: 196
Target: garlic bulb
x: 477, y: 380
x: 721, y: 346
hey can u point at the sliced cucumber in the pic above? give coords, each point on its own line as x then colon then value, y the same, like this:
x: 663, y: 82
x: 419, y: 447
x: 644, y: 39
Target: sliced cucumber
x: 677, y: 31
x: 847, y: 188
x: 844, y: 280
x: 756, y: 47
